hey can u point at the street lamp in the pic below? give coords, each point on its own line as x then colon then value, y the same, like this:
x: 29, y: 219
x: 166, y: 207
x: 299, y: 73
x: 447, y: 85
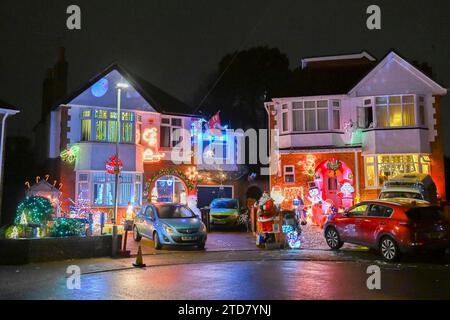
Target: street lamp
x: 115, y: 241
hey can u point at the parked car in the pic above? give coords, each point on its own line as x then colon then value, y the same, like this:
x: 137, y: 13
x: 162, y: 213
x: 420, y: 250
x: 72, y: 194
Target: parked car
x: 224, y: 211
x: 169, y: 224
x: 410, y: 185
x: 392, y: 226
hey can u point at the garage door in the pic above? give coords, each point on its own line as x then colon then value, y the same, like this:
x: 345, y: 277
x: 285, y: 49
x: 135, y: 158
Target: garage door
x: 206, y: 194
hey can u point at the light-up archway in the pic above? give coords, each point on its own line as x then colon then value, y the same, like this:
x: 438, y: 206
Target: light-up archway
x: 335, y: 180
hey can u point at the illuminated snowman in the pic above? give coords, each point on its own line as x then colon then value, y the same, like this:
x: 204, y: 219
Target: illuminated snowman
x: 315, y: 196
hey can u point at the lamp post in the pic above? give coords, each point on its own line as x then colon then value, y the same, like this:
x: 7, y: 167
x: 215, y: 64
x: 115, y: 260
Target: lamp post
x: 115, y: 241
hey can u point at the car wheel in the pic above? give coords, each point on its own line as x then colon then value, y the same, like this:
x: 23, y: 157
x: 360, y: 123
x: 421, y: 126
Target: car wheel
x: 333, y: 239
x: 157, y: 242
x: 389, y: 249
x: 136, y: 236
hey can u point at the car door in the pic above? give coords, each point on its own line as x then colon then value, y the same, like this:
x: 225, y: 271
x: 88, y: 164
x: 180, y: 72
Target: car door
x: 374, y: 222
x: 350, y: 223
x: 148, y: 223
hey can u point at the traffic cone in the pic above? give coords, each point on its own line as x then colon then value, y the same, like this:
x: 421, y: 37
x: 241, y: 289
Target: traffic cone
x: 139, y: 263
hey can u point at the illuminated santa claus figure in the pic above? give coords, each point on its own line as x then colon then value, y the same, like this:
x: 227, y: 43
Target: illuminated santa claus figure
x: 266, y: 212
x: 347, y: 193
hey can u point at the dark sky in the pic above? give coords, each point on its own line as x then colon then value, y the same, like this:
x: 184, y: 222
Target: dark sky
x: 176, y: 43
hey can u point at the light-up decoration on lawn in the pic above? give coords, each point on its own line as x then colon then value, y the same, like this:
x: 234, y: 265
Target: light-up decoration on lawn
x: 70, y: 155
x: 100, y: 88
x: 111, y: 165
x: 151, y: 154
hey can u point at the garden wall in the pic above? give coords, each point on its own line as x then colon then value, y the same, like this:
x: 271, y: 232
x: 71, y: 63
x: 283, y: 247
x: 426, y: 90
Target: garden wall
x: 23, y: 251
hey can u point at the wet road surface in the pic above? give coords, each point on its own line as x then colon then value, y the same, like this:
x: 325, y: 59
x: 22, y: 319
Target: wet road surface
x: 260, y: 279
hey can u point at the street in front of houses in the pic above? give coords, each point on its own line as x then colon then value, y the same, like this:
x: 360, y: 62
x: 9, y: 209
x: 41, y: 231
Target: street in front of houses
x: 230, y: 268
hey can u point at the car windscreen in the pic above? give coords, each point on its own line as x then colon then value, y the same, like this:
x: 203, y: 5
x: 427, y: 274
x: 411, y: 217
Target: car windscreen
x: 174, y: 212
x: 425, y: 213
x: 400, y: 194
x: 224, y: 204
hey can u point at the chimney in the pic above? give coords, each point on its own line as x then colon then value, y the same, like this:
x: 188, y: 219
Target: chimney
x: 54, y: 86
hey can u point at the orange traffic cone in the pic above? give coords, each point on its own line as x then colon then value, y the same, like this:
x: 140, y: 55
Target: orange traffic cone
x: 139, y: 262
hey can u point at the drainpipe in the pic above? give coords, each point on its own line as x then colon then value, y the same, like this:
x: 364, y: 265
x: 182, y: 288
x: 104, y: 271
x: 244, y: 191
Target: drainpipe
x: 357, y: 173
x: 2, y: 143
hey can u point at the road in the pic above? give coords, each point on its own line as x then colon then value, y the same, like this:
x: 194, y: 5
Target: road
x: 239, y: 275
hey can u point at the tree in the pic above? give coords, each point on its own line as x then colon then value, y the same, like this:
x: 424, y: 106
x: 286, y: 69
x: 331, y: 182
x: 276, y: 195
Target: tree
x: 246, y: 80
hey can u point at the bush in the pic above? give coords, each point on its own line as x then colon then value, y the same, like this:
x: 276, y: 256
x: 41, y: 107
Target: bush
x: 37, y: 210
x: 67, y: 227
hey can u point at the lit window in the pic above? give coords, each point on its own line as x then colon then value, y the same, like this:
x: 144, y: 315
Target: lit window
x: 395, y: 111
x: 370, y: 172
x: 390, y: 166
x: 289, y: 174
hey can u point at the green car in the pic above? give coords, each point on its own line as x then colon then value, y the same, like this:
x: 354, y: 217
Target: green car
x: 224, y: 211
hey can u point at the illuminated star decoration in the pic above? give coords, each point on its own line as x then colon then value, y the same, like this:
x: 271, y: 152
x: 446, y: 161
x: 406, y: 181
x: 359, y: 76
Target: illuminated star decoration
x: 150, y: 154
x: 70, y: 155
x: 192, y: 173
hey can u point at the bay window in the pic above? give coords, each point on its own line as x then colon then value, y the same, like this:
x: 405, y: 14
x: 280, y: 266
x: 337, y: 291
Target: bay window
x: 308, y: 116
x: 382, y: 167
x: 336, y: 114
x: 86, y: 125
x: 365, y: 115
x: 284, y: 118
x: 395, y: 111
x: 103, y: 124
x: 99, y: 188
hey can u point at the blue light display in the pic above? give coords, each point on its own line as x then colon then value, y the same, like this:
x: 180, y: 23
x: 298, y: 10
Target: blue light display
x: 100, y: 88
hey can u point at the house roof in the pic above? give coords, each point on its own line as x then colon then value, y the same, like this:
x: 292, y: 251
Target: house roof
x: 160, y: 100
x: 333, y: 75
x: 393, y: 56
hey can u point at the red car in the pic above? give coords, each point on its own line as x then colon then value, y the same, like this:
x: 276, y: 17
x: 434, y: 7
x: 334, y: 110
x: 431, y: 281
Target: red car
x: 391, y: 226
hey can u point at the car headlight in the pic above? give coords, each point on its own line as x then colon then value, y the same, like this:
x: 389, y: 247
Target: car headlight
x: 168, y: 229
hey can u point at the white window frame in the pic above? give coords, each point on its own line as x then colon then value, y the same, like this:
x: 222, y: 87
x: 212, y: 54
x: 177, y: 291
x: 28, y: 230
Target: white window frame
x: 292, y: 173
x: 90, y: 182
x: 285, y: 110
x: 316, y: 109
x: 388, y: 104
x: 171, y: 128
x: 420, y: 163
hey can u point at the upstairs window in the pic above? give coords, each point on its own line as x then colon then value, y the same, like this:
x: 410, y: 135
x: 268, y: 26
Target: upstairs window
x: 365, y: 115
x: 422, y: 116
x: 284, y: 118
x: 310, y: 116
x: 86, y: 125
x: 170, y: 134
x: 103, y: 124
x: 336, y: 115
x: 395, y: 111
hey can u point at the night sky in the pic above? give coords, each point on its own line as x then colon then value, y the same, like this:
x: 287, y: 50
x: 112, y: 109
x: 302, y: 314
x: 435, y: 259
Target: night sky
x: 176, y: 44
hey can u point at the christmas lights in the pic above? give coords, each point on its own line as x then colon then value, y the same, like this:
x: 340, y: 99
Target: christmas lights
x: 67, y: 227
x: 70, y: 155
x: 34, y: 210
